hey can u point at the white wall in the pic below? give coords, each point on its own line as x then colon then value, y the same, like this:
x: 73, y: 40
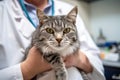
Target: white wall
x: 105, y: 14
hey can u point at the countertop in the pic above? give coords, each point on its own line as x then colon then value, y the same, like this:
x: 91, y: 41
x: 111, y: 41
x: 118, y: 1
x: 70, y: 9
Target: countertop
x: 111, y: 63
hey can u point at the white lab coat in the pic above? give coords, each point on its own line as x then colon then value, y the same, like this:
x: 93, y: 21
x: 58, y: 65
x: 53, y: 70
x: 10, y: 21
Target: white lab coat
x: 15, y: 35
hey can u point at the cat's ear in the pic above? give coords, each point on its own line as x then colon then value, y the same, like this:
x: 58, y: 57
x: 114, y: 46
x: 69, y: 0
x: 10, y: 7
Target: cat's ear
x: 71, y: 16
x: 42, y: 17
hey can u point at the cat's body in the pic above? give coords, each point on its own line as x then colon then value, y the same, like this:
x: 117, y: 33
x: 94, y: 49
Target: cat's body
x: 56, y: 36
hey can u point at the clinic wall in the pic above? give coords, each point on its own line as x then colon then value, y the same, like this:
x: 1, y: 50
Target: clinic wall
x: 105, y: 14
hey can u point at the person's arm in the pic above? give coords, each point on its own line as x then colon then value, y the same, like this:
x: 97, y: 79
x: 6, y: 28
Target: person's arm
x: 92, y: 52
x: 26, y: 70
x: 34, y: 64
x: 80, y: 61
x: 11, y: 73
x: 98, y: 71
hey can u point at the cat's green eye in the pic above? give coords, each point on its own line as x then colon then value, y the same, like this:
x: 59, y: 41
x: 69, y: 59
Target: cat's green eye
x: 66, y: 30
x: 49, y: 30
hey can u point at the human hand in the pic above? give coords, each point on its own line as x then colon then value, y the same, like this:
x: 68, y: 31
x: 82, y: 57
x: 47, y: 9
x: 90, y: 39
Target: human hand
x: 78, y: 60
x: 34, y: 64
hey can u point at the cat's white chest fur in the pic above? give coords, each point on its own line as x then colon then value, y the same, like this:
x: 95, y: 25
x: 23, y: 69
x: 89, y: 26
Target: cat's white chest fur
x: 66, y: 51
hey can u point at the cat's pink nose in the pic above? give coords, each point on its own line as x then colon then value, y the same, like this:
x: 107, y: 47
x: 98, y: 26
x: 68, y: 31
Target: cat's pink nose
x: 58, y: 40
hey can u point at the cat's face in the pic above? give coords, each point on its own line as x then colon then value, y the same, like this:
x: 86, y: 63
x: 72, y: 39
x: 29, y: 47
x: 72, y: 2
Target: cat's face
x: 58, y: 32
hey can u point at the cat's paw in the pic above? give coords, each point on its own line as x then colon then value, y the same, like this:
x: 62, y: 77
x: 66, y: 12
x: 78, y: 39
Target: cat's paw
x: 61, y: 75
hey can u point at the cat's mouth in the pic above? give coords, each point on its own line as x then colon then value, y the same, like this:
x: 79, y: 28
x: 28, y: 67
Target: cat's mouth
x: 59, y: 45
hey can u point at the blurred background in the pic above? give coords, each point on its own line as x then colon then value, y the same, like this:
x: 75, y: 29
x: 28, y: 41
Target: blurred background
x: 102, y: 19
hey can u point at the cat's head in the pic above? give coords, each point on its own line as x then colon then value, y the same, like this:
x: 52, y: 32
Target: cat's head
x: 58, y: 32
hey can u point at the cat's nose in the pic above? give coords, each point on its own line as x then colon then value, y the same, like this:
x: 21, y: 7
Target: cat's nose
x: 58, y: 40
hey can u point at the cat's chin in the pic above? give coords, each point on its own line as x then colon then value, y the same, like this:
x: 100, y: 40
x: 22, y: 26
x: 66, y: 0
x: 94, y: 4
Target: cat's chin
x: 64, y: 51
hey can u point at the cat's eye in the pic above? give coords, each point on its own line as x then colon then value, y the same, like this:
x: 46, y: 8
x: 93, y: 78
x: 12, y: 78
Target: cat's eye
x: 66, y: 30
x: 49, y: 30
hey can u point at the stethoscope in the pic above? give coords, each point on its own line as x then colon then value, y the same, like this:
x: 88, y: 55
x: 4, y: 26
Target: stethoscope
x: 26, y: 12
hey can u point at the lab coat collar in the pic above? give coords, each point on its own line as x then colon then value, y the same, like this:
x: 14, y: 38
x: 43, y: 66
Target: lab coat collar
x: 34, y: 7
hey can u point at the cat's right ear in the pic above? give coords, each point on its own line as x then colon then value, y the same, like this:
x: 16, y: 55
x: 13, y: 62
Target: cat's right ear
x: 41, y: 16
x: 72, y: 15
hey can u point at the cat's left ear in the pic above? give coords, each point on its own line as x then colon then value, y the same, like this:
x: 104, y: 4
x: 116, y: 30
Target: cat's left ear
x: 42, y: 17
x: 72, y: 15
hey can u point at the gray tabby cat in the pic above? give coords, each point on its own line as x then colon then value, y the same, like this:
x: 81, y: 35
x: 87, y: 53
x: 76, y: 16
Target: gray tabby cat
x: 56, y: 36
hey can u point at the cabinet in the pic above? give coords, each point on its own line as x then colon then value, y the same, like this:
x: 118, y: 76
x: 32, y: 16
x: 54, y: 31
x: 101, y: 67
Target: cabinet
x: 112, y: 70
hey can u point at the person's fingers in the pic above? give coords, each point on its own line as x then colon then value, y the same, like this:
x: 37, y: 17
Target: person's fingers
x: 69, y: 60
x: 67, y: 64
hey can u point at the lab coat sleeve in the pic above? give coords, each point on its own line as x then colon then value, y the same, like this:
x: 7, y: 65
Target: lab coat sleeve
x: 11, y: 73
x: 97, y: 73
x: 89, y: 48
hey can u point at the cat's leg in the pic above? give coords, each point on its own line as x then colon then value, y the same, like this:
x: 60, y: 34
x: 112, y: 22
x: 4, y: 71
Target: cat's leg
x: 58, y: 65
x: 61, y: 73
